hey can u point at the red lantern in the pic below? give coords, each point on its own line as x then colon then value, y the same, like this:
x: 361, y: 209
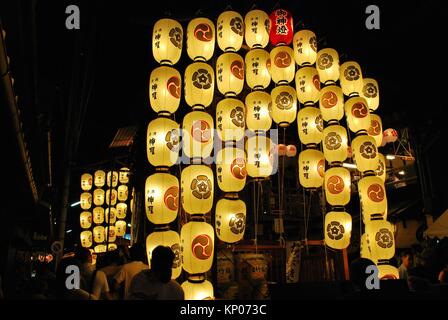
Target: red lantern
x: 390, y: 135
x: 282, y: 30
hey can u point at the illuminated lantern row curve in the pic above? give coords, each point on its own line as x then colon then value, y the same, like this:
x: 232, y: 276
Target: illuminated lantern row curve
x: 104, y: 212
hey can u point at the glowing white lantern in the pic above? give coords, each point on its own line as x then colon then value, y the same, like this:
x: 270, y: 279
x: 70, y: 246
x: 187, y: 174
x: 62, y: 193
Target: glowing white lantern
x: 197, y: 243
x: 307, y: 85
x: 98, y: 234
x: 112, y: 217
x: 114, y: 176
x: 257, y: 63
x: 381, y: 169
x: 310, y: 125
x: 167, y: 37
x: 99, y: 178
x: 85, y: 219
x: 376, y: 129
x: 120, y: 228
x: 86, y: 200
x: 351, y: 78
x: 165, y: 86
x: 257, y: 29
x: 331, y: 103
x: 258, y: 104
x: 198, y: 290
x: 86, y: 181
x: 230, y: 74
x: 122, y: 192
x: 123, y: 175
x: 98, y: 197
x: 162, y: 142
x: 200, y: 39
x: 260, y: 161
x: 197, y: 189
x: 357, y: 113
x: 328, y: 65
x: 282, y: 64
x: 284, y: 105
x: 337, y: 186
x: 365, y: 153
x: 380, y: 237
x: 371, y: 93
x: 111, y: 197
x: 388, y: 272
x: 86, y: 239
x: 305, y: 47
x: 122, y: 209
x: 199, y: 84
x: 311, y: 168
x: 337, y: 229
x: 197, y: 134
x: 230, y: 119
x: 335, y: 143
x: 373, y: 197
x: 98, y: 215
x: 231, y: 170
x: 230, y: 31
x: 230, y: 220
x: 112, y: 234
x: 161, y: 198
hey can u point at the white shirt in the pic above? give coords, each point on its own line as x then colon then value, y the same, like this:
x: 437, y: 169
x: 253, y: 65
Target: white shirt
x: 145, y: 286
x: 127, y: 272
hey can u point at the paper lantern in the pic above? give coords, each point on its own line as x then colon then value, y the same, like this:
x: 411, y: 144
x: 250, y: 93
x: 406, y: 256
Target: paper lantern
x: 305, y: 47
x: 307, y: 85
x: 114, y: 176
x: 86, y: 200
x: 372, y: 194
x: 284, y: 105
x: 98, y: 215
x: 380, y: 237
x: 161, y: 198
x: 197, y: 245
x: 98, y: 197
x: 169, y: 239
x: 112, y: 235
x: 122, y: 192
x: 381, y: 169
x: 370, y: 92
x: 230, y: 119
x: 86, y: 239
x: 388, y: 272
x: 198, y: 290
x: 311, y: 168
x: 281, y: 149
x: 376, y: 129
x: 99, y: 178
x: 230, y: 74
x: 357, y: 113
x: 112, y: 246
x: 390, y: 135
x: 230, y: 31
x: 257, y: 64
x: 337, y: 186
x: 335, y: 143
x: 200, y: 39
x: 230, y: 220
x: 86, y: 182
x: 122, y: 209
x: 291, y: 150
x: 123, y: 175
x: 100, y: 248
x: 328, y: 65
x: 85, y: 219
x: 167, y: 38
x: 364, y: 247
x: 337, y: 229
x: 98, y: 234
x: 197, y: 189
x: 351, y: 78
x: 282, y: 28
x: 258, y: 104
x: 162, y: 142
x: 331, y: 103
x: 112, y: 217
x: 310, y: 125
x: 197, y: 134
x: 111, y: 197
x: 282, y: 65
x: 120, y: 228
x: 165, y: 86
x: 231, y: 170
x: 257, y: 27
x: 199, y: 84
x: 365, y: 153
x: 260, y: 162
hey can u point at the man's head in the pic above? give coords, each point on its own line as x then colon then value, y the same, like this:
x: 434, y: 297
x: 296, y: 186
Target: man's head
x: 83, y: 255
x: 162, y: 259
x: 406, y: 258
x: 138, y: 253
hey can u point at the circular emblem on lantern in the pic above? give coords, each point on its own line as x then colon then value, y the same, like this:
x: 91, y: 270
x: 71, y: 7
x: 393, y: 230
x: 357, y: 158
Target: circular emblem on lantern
x: 384, y: 238
x: 380, y: 169
x: 374, y: 128
x: 176, y: 250
x: 316, y: 81
x: 203, y: 32
x: 200, y: 131
x: 171, y: 198
x: 335, y: 184
x: 319, y: 122
x: 202, y: 79
x: 202, y: 247
x: 368, y: 150
x: 351, y: 73
x: 173, y: 86
x: 237, y: 69
x: 236, y: 25
x: 359, y: 110
x: 333, y: 141
x: 238, y: 168
x: 201, y: 187
x: 172, y: 139
x: 329, y: 99
x: 176, y: 37
x: 313, y: 43
x: 284, y: 101
x: 375, y: 192
x: 237, y: 223
x: 335, y: 230
x: 237, y: 116
x: 370, y: 90
x: 321, y: 167
x: 282, y: 59
x: 325, y: 61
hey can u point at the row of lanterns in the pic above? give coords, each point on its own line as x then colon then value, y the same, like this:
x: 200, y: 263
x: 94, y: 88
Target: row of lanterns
x: 101, y: 226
